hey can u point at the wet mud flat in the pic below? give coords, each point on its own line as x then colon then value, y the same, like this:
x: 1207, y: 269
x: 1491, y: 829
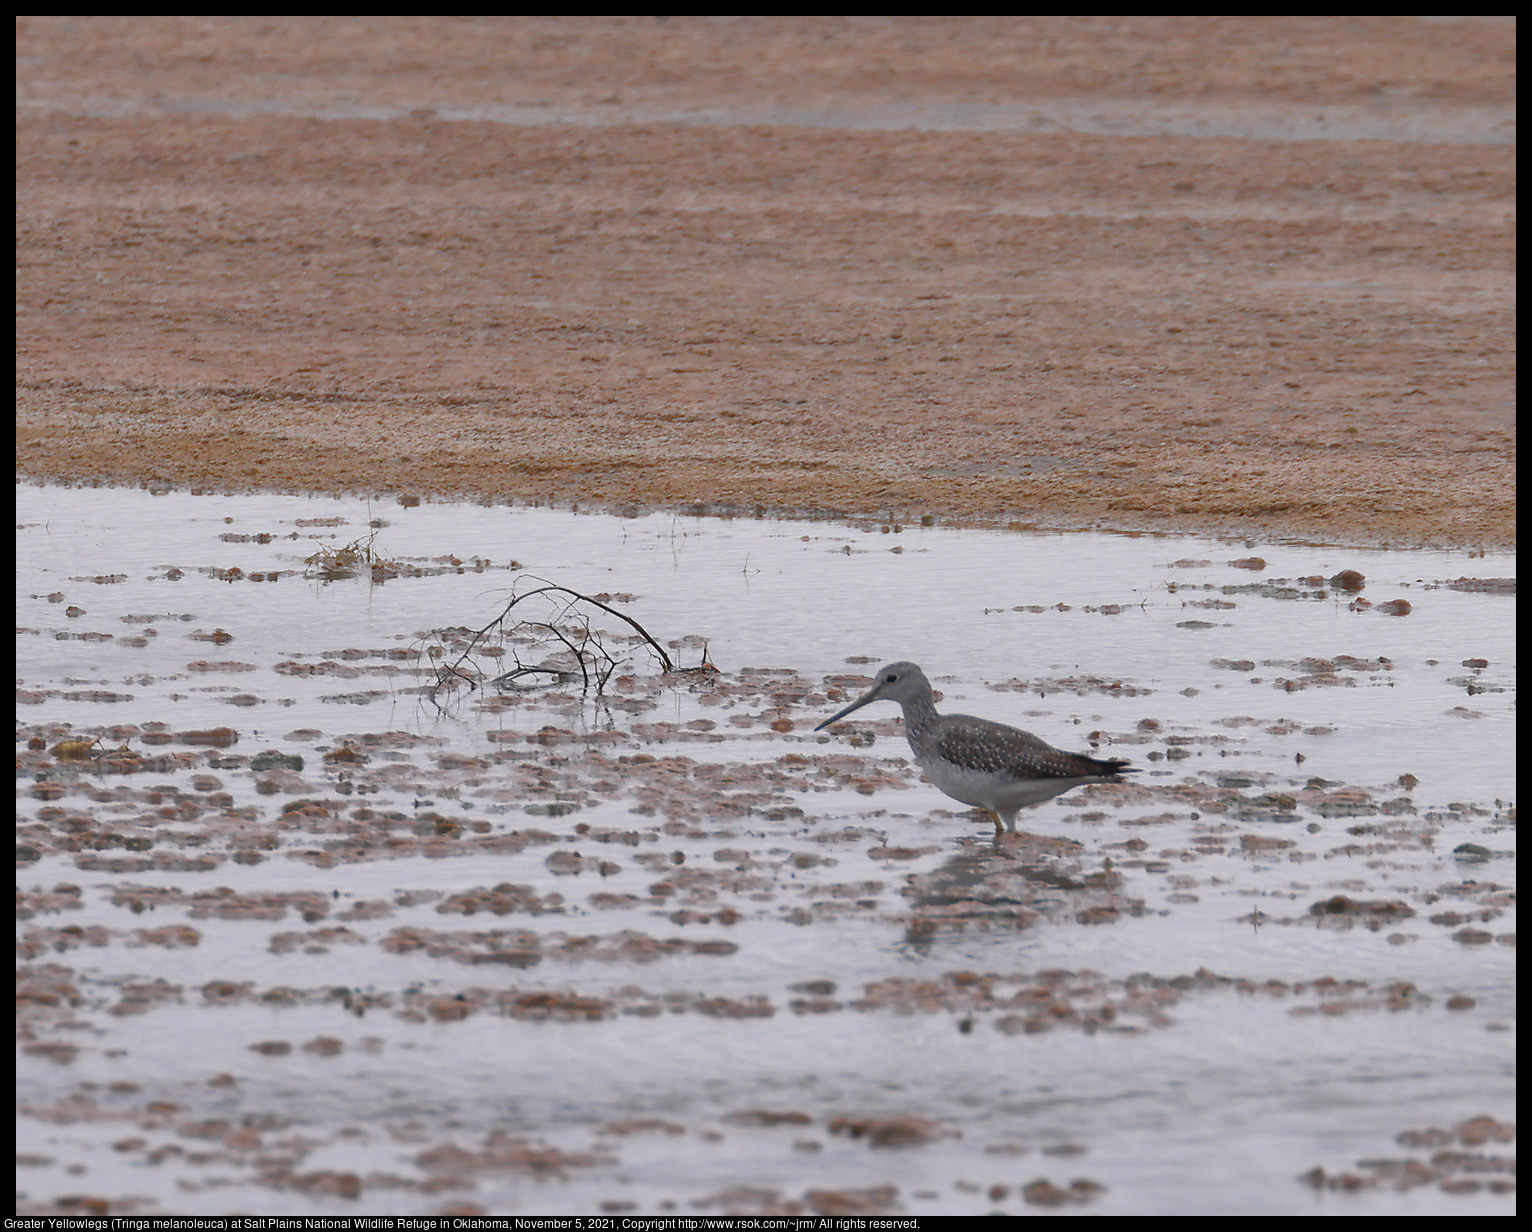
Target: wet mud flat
x: 307, y: 926
x: 1184, y: 273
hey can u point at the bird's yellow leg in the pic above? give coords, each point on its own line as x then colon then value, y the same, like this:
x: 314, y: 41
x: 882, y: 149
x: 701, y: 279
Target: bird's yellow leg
x: 999, y: 826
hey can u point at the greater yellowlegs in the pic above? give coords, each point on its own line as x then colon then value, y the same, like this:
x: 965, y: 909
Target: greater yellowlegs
x: 978, y: 761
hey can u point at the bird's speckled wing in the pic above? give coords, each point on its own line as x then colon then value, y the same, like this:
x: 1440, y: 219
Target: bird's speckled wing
x: 993, y: 748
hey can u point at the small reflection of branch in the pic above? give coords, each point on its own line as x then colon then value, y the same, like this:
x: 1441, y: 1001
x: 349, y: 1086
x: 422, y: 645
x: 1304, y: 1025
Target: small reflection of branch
x: 559, y: 674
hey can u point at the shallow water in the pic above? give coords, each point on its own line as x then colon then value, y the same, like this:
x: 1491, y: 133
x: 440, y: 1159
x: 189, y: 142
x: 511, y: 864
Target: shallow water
x: 670, y: 949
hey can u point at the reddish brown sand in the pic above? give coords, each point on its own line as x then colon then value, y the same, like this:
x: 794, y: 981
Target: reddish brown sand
x: 273, y: 253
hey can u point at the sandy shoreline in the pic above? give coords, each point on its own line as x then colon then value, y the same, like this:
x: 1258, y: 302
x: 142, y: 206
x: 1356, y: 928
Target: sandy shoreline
x: 1306, y: 338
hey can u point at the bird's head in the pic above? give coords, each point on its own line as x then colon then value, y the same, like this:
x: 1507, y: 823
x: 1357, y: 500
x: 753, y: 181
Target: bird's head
x: 895, y: 682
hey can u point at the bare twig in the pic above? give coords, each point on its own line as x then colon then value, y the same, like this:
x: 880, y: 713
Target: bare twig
x: 592, y: 657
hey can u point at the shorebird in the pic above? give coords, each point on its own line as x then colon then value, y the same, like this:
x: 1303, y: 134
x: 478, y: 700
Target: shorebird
x: 989, y: 765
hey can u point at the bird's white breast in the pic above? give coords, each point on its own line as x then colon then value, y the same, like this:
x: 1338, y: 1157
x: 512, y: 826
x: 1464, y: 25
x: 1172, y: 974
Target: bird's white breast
x: 998, y: 792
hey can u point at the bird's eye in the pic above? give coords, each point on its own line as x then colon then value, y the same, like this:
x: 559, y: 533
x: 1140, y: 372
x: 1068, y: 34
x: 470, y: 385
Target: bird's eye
x: 890, y: 678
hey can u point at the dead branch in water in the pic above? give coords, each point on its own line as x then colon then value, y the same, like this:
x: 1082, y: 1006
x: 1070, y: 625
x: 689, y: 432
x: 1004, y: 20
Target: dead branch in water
x: 585, y: 652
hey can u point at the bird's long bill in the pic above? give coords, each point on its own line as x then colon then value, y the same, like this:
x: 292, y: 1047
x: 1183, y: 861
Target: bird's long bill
x: 870, y: 696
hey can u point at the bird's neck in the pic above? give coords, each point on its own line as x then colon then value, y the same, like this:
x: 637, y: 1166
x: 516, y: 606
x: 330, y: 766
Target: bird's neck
x: 919, y: 712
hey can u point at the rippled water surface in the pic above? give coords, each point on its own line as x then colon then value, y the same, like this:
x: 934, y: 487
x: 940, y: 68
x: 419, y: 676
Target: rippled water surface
x: 299, y: 935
